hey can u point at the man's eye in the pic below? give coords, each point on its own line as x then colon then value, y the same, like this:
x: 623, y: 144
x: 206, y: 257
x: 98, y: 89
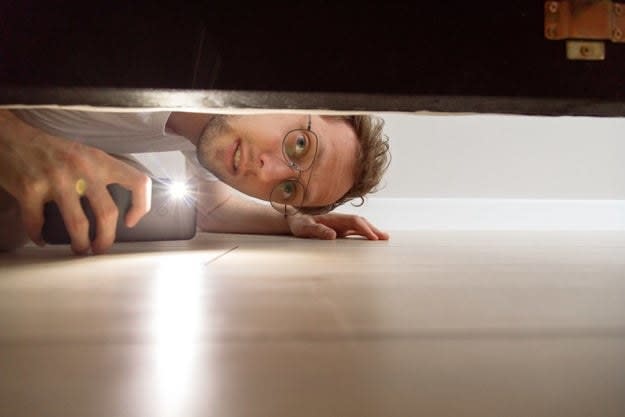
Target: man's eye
x: 287, y: 190
x: 301, y: 143
x: 298, y: 147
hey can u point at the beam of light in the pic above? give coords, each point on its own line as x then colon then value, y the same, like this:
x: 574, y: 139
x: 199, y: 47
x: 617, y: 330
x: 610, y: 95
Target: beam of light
x: 177, y: 329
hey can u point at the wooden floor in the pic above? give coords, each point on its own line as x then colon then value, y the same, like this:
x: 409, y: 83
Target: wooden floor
x: 427, y: 324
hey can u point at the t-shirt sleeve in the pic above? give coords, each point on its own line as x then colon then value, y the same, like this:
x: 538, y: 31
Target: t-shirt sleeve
x: 195, y: 169
x: 112, y: 132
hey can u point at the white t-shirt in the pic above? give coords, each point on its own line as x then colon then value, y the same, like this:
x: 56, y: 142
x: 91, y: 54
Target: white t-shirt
x: 116, y: 132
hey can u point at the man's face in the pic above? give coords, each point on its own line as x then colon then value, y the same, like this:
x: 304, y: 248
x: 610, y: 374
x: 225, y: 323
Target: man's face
x: 245, y: 152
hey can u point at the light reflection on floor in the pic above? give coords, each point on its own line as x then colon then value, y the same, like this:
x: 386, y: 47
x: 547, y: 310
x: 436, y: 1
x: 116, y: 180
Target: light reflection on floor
x: 178, y: 305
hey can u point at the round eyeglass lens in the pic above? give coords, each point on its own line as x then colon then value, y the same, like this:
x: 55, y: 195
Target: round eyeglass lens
x: 300, y: 146
x: 287, y: 196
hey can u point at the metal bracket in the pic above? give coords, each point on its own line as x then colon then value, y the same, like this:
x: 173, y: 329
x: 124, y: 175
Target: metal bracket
x: 585, y: 20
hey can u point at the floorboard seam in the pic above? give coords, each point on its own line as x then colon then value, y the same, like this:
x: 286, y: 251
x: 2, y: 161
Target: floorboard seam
x: 213, y: 259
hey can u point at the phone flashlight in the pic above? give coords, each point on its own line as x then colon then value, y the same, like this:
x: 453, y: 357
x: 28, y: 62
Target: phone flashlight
x: 172, y: 216
x: 178, y: 190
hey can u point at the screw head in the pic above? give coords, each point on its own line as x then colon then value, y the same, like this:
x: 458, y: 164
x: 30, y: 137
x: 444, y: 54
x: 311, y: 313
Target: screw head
x: 617, y: 34
x: 551, y: 31
x: 553, y: 6
x: 618, y: 9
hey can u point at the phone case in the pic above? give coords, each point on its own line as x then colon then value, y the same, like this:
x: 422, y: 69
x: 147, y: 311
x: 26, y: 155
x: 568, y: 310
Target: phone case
x: 168, y: 219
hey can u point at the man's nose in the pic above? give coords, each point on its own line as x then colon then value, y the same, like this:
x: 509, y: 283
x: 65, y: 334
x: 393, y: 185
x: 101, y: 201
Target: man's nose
x: 273, y: 168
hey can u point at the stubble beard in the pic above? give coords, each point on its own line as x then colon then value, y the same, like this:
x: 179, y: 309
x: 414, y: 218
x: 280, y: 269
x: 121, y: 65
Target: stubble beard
x: 208, y: 153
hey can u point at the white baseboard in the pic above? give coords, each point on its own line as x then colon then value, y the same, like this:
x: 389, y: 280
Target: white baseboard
x: 491, y: 214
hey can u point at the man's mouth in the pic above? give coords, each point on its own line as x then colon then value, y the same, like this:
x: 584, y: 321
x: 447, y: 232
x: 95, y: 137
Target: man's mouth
x: 236, y: 156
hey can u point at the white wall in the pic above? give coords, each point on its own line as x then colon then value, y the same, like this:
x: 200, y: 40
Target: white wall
x: 494, y: 172
x: 494, y: 156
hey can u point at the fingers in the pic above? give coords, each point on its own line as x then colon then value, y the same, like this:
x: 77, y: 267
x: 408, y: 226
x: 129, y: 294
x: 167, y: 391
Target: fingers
x: 363, y: 228
x: 358, y: 226
x: 316, y: 231
x: 68, y: 202
x: 379, y: 233
x: 324, y: 232
x: 105, y: 211
x: 106, y: 214
x: 39, y: 168
x: 75, y: 220
x: 32, y: 219
x: 30, y: 199
x: 368, y: 232
x: 349, y: 225
x: 141, y: 188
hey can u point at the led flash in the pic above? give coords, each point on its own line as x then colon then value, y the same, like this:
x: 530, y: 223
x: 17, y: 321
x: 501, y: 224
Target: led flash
x: 178, y: 190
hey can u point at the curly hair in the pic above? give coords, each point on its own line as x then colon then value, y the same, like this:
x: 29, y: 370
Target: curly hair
x: 372, y: 161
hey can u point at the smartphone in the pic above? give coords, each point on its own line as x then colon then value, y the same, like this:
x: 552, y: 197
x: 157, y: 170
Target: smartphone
x: 171, y: 217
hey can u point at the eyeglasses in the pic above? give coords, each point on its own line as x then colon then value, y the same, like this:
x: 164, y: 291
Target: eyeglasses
x: 299, y: 149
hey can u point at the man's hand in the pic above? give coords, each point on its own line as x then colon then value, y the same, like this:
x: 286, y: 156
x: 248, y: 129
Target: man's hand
x: 333, y: 225
x: 37, y: 168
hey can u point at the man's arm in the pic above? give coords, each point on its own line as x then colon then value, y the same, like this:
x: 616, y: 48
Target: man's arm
x: 38, y: 167
x: 220, y: 209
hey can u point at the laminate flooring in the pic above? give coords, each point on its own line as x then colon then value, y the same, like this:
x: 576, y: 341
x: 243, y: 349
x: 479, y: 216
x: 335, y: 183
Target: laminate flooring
x: 435, y: 323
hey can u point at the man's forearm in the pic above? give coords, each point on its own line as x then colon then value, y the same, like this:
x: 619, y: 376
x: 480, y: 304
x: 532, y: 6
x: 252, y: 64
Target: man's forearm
x: 236, y: 214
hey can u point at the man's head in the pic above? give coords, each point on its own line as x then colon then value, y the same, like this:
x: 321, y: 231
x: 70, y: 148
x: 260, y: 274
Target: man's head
x: 341, y: 157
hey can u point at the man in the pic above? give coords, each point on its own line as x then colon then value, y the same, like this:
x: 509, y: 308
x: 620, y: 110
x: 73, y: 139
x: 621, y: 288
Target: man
x: 300, y: 163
